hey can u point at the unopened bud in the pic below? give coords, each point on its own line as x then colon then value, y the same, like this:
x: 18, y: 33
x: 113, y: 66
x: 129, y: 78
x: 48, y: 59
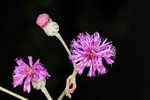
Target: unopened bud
x: 50, y: 27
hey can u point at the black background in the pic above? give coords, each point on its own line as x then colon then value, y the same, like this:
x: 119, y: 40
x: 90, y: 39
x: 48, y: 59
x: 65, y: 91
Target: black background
x: 124, y: 22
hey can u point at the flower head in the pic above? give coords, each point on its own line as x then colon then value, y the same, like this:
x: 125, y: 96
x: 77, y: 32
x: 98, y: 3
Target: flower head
x: 89, y: 50
x: 29, y: 73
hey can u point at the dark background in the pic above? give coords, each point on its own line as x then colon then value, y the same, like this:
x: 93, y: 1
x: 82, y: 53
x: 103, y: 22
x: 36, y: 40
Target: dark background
x: 124, y: 22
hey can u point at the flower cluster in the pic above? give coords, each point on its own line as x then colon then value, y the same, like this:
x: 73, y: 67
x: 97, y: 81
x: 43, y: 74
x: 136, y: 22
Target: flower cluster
x: 86, y: 51
x: 89, y: 50
x: 32, y: 73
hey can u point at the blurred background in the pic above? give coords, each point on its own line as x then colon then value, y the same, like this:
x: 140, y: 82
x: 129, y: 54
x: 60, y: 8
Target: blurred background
x: 126, y: 23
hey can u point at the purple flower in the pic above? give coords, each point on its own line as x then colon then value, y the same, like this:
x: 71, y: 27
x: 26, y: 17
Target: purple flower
x: 89, y: 50
x: 31, y: 72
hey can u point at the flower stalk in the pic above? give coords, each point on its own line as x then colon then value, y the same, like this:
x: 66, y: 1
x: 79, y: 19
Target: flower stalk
x: 63, y: 43
x: 42, y: 86
x: 74, y: 71
x: 44, y: 90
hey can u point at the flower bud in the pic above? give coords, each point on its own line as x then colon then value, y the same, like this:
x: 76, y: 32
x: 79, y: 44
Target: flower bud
x: 50, y: 27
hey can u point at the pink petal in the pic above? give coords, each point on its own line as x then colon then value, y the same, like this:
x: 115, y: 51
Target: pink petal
x: 109, y: 60
x: 102, y: 70
x: 80, y: 69
x: 21, y: 70
x: 90, y: 72
x: 30, y: 61
x: 96, y: 39
x: 27, y: 86
x: 43, y: 74
x: 37, y: 62
x: 20, y: 62
x: 18, y: 79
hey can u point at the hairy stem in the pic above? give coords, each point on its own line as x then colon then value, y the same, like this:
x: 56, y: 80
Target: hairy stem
x: 44, y: 90
x: 12, y: 93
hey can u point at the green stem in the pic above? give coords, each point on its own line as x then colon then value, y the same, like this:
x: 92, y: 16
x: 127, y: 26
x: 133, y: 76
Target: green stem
x: 12, y: 93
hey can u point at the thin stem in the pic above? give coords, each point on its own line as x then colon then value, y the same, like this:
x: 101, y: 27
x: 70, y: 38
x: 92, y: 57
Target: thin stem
x: 12, y: 93
x: 65, y: 46
x: 74, y: 72
x: 63, y: 43
x: 44, y: 90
